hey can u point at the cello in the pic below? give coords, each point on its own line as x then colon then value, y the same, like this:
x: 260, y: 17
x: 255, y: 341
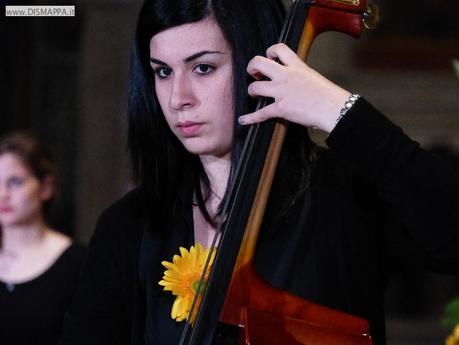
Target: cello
x: 256, y: 312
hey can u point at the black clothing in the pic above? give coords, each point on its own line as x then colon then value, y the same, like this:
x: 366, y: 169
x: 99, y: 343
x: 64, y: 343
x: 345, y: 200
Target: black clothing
x: 32, y: 313
x: 375, y: 199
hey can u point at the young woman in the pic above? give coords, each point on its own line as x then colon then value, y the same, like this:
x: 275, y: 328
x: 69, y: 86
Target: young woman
x: 337, y: 218
x: 39, y: 266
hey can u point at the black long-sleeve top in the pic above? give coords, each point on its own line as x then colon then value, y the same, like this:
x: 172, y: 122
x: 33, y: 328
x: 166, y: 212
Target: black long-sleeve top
x: 376, y: 200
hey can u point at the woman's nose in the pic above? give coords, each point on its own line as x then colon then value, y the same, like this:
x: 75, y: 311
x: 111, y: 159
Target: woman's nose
x: 182, y: 95
x: 3, y: 192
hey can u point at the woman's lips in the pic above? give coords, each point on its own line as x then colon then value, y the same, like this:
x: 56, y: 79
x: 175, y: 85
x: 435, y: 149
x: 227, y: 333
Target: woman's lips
x: 188, y: 128
x: 5, y: 209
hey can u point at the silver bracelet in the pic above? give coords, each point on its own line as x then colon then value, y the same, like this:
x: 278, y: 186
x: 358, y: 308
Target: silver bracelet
x: 347, y: 105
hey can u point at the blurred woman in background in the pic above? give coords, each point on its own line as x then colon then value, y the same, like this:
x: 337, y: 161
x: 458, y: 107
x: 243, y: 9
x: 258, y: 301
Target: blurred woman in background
x: 39, y: 266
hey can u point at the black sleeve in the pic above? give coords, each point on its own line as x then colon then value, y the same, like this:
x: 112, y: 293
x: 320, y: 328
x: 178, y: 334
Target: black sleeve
x: 99, y: 312
x: 418, y: 187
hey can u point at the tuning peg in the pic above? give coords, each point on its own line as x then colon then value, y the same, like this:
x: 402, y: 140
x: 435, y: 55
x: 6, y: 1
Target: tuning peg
x: 371, y: 16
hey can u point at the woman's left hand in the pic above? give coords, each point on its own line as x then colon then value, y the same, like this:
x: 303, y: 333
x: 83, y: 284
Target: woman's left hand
x: 301, y: 95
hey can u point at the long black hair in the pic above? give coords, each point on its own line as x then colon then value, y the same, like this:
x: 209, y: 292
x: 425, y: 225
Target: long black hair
x: 159, y: 160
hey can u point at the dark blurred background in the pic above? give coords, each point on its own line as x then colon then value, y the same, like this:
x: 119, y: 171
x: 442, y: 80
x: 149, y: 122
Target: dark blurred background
x: 65, y: 79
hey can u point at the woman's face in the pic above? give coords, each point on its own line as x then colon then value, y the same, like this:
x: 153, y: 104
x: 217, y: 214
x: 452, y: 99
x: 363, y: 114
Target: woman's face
x: 194, y: 85
x: 21, y: 193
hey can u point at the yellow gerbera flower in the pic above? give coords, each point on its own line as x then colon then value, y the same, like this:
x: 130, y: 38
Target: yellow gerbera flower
x: 453, y: 339
x: 182, y: 278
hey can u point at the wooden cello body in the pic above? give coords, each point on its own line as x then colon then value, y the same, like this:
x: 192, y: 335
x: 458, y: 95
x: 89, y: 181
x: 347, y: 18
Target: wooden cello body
x: 235, y: 294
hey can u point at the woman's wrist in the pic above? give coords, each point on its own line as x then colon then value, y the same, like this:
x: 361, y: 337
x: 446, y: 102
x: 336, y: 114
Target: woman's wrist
x: 329, y: 117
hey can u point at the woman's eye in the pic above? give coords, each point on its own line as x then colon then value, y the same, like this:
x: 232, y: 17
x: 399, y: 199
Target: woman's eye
x: 15, y: 182
x: 162, y: 72
x: 204, y: 68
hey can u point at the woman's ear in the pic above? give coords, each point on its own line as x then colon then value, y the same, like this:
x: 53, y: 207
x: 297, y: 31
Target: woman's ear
x: 48, y: 187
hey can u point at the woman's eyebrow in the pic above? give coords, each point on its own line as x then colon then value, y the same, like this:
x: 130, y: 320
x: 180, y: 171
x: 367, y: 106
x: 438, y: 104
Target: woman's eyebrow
x: 158, y: 62
x: 201, y: 53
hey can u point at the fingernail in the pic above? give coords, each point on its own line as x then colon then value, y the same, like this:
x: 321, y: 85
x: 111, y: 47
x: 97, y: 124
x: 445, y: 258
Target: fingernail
x: 242, y: 120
